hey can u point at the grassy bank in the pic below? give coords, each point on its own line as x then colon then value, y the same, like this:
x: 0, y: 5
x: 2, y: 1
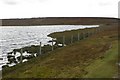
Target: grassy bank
x: 106, y: 67
x: 35, y: 49
x: 94, y: 56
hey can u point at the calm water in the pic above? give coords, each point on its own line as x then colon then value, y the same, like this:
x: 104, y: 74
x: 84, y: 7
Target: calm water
x: 21, y: 36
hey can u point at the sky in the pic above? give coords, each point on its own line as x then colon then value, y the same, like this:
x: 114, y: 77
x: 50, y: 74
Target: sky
x: 58, y: 8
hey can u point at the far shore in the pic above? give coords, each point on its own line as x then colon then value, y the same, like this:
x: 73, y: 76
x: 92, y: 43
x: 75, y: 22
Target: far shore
x: 59, y: 21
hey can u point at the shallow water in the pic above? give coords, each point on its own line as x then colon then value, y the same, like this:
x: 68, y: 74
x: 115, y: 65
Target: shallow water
x: 21, y: 36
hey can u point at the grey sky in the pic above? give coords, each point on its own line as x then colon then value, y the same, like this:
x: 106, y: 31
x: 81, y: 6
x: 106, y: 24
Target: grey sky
x: 12, y: 2
x: 119, y: 9
x: 9, y: 2
x: 58, y: 8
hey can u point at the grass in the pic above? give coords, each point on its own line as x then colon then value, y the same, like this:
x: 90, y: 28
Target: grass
x: 106, y: 67
x: 82, y: 33
x: 90, y: 57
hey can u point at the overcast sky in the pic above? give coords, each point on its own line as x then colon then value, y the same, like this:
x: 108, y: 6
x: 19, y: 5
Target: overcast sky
x: 58, y: 8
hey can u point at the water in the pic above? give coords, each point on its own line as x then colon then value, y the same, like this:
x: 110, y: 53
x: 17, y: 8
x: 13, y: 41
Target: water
x: 21, y: 36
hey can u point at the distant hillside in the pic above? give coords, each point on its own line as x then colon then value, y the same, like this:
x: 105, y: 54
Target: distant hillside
x: 58, y: 21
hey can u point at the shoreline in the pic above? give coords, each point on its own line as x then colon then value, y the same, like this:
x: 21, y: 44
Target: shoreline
x: 27, y: 49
